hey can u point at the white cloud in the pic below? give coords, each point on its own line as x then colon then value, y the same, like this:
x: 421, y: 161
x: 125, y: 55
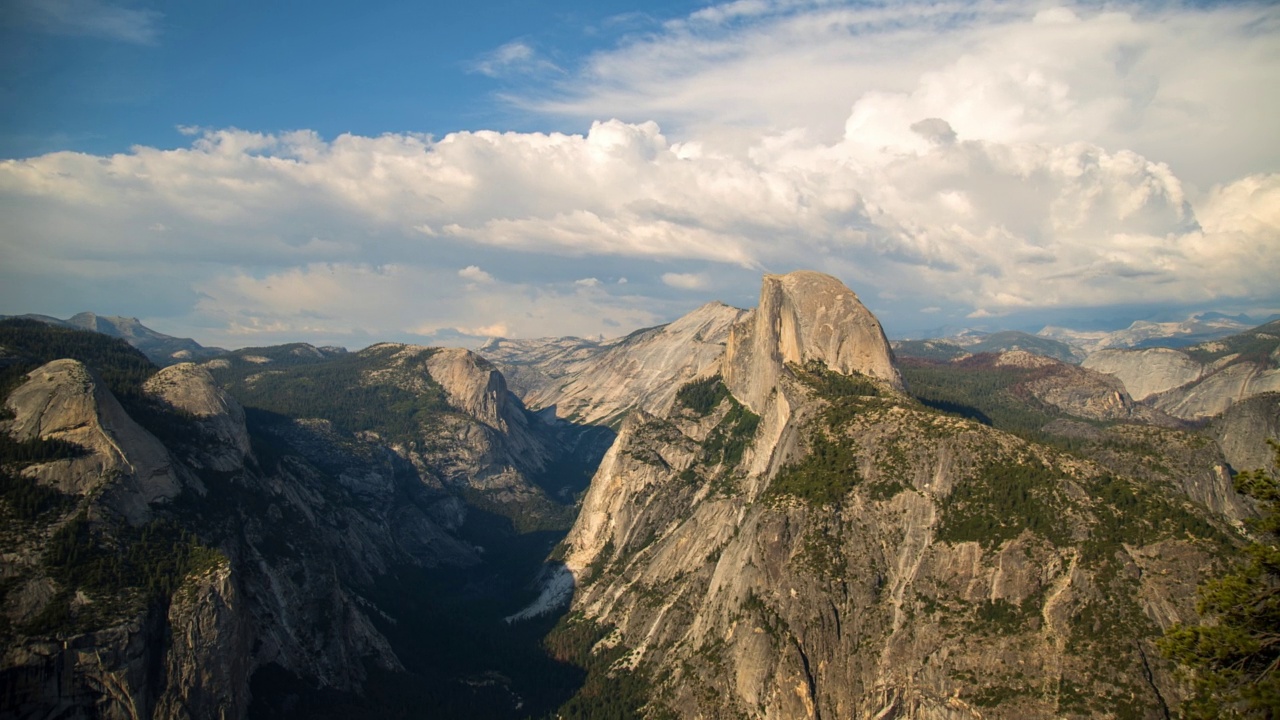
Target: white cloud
x: 1133, y: 76
x: 685, y: 281
x: 475, y: 274
x: 990, y: 171
x: 355, y: 304
x: 516, y: 57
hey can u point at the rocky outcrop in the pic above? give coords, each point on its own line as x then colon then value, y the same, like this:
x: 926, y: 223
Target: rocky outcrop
x: 804, y: 316
x: 125, y: 467
x: 210, y: 659
x: 1218, y: 391
x: 867, y: 557
x: 1244, y: 429
x: 598, y: 383
x: 1202, y: 381
x: 159, y: 348
x: 1078, y: 391
x: 1143, y: 333
x: 776, y: 606
x: 190, y: 389
x: 281, y: 551
x: 475, y: 387
x: 1146, y: 372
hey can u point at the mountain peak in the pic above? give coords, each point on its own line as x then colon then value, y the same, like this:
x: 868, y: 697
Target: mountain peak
x: 803, y: 316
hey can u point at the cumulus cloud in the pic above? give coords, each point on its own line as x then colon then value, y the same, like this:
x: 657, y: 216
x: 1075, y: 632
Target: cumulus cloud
x: 685, y: 281
x: 475, y: 274
x: 1140, y: 77
x: 990, y: 172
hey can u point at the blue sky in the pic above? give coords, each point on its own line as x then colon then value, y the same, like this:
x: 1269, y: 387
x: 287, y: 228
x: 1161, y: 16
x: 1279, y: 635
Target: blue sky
x: 255, y: 173
x: 127, y: 74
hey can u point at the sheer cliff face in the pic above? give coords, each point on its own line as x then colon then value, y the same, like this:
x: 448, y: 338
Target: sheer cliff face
x: 1201, y: 381
x: 804, y: 316
x: 599, y: 383
x: 864, y: 556
x: 294, y: 542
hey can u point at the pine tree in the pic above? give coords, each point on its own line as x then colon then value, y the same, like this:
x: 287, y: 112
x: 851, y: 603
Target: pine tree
x: 1232, y: 655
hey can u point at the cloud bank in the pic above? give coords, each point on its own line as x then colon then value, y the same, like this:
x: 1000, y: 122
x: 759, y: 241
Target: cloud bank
x: 1005, y: 162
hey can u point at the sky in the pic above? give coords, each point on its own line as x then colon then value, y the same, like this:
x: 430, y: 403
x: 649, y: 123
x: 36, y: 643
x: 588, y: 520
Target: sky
x: 256, y: 173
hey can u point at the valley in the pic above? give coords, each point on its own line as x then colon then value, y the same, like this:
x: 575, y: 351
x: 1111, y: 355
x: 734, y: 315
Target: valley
x: 764, y: 512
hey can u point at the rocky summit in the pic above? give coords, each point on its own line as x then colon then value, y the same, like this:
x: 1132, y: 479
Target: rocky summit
x: 801, y: 538
x: 743, y: 513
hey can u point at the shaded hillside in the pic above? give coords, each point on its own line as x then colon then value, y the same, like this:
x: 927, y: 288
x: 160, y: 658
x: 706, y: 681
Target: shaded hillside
x: 161, y: 349
x: 217, y: 562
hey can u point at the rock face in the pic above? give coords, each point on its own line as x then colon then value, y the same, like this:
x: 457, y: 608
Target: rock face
x: 160, y: 348
x: 192, y: 390
x: 1203, y: 380
x: 210, y: 661
x: 1144, y: 333
x: 598, y: 383
x: 269, y: 559
x: 864, y: 556
x: 1079, y: 391
x: 1244, y: 429
x: 476, y: 388
x: 123, y: 462
x: 1146, y: 372
x: 804, y: 316
x: 1219, y: 391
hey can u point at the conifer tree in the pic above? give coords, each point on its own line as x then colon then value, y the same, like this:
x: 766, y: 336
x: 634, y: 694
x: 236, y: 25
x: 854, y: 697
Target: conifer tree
x: 1232, y: 655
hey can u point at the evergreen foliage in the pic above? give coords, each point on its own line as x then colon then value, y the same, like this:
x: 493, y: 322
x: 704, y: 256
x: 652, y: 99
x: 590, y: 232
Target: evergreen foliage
x: 976, y: 389
x: 608, y: 693
x: 834, y: 386
x: 27, y: 499
x: 702, y: 396
x: 1005, y: 498
x: 337, y: 389
x: 121, y: 367
x: 824, y: 476
x: 152, y: 560
x: 1233, y: 655
x: 730, y: 439
x: 30, y: 344
x: 1126, y: 514
x: 1255, y: 345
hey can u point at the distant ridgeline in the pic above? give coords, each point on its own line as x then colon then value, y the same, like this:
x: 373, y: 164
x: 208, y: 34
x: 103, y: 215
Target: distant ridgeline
x: 158, y: 532
x: 743, y: 513
x: 159, y: 348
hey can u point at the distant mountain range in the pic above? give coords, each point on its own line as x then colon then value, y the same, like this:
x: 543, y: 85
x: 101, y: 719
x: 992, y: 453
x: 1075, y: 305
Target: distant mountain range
x: 971, y: 343
x: 159, y: 348
x: 1074, y: 346
x: 744, y: 513
x: 1143, y: 334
